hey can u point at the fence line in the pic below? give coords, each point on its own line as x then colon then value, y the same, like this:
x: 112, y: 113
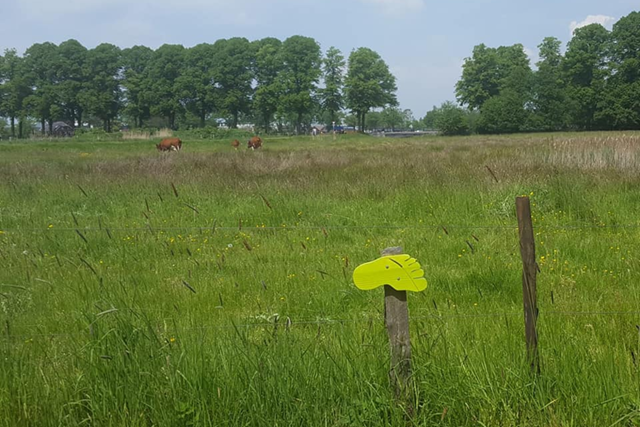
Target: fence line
x: 319, y: 228
x: 283, y: 321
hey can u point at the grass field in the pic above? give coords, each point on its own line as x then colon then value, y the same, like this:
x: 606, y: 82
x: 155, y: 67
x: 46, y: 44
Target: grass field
x: 212, y: 287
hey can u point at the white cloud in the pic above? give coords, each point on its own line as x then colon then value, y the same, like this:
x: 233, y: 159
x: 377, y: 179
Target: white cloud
x: 533, y: 56
x: 396, y: 6
x: 604, y: 20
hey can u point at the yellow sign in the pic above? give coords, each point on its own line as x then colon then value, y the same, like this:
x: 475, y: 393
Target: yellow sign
x: 401, y: 272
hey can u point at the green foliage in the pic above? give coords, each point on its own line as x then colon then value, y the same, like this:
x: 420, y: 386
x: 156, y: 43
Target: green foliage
x: 502, y: 114
x: 585, y: 69
x: 268, y: 88
x: 489, y: 71
x: 301, y: 69
x: 71, y: 80
x: 15, y: 90
x: 369, y: 84
x: 193, y: 86
x: 593, y: 86
x: 332, y: 100
x: 164, y: 70
x: 451, y: 120
x: 136, y: 84
x: 233, y: 76
x: 549, y: 86
x: 101, y: 94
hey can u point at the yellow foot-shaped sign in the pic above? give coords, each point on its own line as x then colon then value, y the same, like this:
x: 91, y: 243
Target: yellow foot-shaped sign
x: 401, y: 272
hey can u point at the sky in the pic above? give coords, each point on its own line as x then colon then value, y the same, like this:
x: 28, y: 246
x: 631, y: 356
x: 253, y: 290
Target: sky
x: 424, y: 42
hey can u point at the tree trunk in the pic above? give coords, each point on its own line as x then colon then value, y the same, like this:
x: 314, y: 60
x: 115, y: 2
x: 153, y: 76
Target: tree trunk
x: 42, y: 126
x: 299, y: 124
x: 13, y: 127
x: 50, y: 126
x: 202, y: 116
x: 20, y: 127
x: 235, y: 119
x: 364, y: 114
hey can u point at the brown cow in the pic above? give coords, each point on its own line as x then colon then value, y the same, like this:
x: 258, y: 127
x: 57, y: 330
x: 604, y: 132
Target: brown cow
x: 169, y: 144
x: 235, y: 144
x: 254, y: 143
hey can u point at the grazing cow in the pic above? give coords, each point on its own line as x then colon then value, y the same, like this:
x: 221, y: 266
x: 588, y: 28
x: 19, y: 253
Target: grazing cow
x: 235, y: 144
x: 255, y: 143
x: 169, y: 144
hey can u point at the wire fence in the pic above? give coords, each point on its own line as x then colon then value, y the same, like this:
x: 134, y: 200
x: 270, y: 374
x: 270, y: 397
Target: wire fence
x: 287, y: 322
x: 318, y: 228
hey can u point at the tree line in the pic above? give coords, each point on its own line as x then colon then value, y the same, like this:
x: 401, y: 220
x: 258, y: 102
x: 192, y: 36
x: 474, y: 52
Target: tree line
x: 594, y: 85
x: 275, y: 85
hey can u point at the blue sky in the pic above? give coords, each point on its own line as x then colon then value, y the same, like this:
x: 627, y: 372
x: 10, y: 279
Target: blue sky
x: 423, y: 41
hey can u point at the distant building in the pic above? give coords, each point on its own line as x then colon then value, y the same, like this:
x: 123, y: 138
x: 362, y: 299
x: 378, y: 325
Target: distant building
x: 61, y: 130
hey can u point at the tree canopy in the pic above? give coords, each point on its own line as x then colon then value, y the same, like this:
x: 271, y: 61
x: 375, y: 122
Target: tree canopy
x: 289, y: 83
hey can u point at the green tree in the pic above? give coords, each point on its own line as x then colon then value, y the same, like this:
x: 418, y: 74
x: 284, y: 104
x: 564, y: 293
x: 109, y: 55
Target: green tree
x: 502, y: 114
x: 233, y: 76
x: 374, y: 120
x: 585, y: 68
x: 301, y: 61
x: 429, y: 119
x: 486, y: 73
x: 267, y: 66
x: 71, y: 80
x: 549, y: 89
x: 165, y: 66
x: 451, y: 120
x: 196, y: 85
x: 101, y: 97
x: 619, y: 107
x: 136, y: 84
x: 369, y: 84
x: 333, y: 72
x: 392, y: 118
x: 40, y: 71
x: 14, y: 90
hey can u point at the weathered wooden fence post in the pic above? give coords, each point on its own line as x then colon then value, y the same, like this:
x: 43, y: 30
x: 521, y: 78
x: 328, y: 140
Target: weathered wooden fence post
x: 529, y: 271
x: 398, y: 273
x: 396, y: 320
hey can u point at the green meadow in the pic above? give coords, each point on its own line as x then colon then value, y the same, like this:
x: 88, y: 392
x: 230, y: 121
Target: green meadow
x: 213, y: 287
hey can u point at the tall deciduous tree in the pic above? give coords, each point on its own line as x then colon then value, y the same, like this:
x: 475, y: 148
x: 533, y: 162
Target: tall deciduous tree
x: 195, y: 86
x: 301, y: 61
x: 369, y: 84
x: 71, y: 80
x: 136, y: 84
x: 486, y: 73
x: 40, y: 64
x: 14, y: 90
x: 267, y: 66
x: 165, y: 66
x: 101, y: 97
x: 233, y: 76
x: 333, y: 72
x: 549, y: 88
x: 620, y: 107
x: 586, y: 72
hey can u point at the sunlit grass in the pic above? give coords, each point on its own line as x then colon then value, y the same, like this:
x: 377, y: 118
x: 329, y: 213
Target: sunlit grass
x: 213, y: 286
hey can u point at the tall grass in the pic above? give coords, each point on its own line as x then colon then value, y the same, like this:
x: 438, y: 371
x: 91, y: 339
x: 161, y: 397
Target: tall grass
x: 213, y: 287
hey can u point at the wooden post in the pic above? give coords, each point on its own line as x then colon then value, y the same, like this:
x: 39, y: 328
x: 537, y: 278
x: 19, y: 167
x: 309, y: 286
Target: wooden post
x: 529, y: 271
x: 396, y: 319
